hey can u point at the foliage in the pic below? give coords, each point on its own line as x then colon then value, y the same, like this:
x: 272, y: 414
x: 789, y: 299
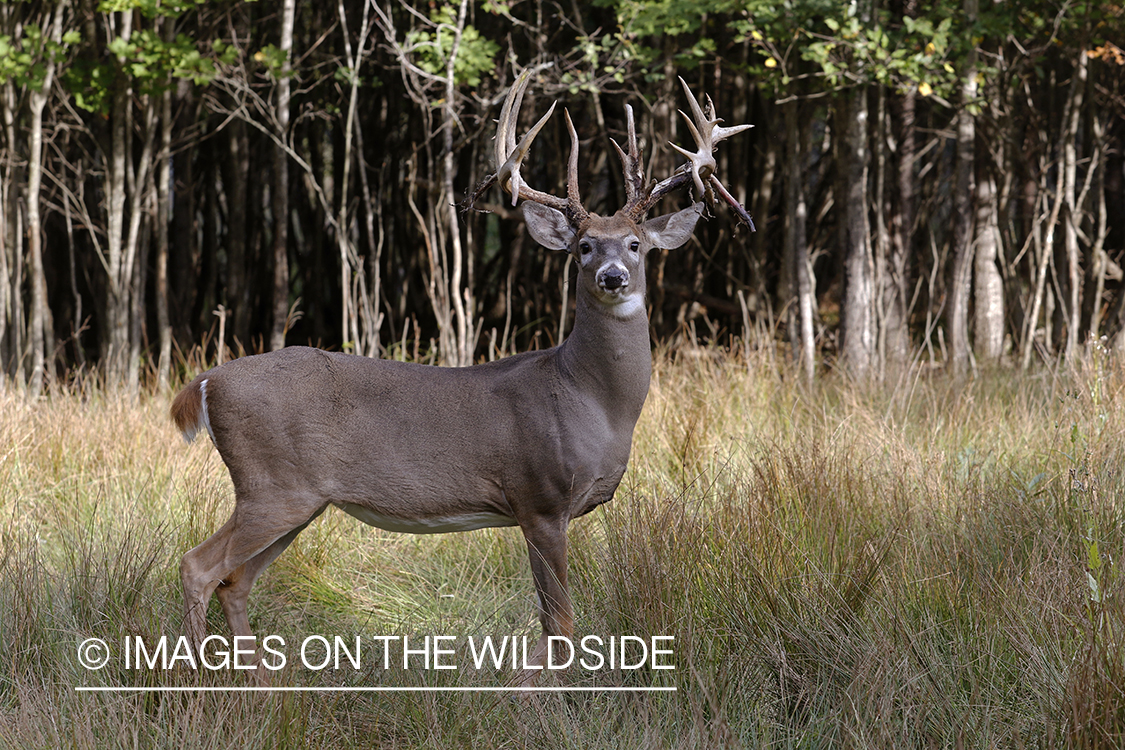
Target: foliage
x: 24, y: 59
x: 476, y: 55
x: 150, y: 9
x: 150, y: 62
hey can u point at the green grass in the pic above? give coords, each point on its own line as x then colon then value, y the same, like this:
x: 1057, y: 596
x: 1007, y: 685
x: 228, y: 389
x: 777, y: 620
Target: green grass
x: 932, y: 564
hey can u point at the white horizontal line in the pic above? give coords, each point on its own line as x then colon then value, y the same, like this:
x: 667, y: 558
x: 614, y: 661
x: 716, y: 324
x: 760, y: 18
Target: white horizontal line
x: 300, y: 689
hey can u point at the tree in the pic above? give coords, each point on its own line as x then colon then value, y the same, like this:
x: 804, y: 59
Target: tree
x: 439, y: 56
x: 161, y: 116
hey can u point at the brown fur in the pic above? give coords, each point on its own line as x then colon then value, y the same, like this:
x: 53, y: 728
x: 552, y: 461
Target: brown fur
x: 188, y: 407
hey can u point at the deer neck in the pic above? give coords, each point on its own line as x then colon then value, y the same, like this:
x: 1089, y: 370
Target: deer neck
x: 607, y: 355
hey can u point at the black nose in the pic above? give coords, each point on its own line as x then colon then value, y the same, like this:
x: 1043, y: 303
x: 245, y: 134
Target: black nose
x: 614, y: 278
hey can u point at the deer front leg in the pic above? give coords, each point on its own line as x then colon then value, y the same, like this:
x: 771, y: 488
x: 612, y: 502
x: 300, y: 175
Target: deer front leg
x: 546, y: 545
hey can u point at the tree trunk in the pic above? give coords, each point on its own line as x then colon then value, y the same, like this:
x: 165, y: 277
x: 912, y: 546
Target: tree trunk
x: 1043, y: 257
x: 11, y: 272
x: 896, y: 284
x: 36, y: 279
x: 797, y: 268
x: 137, y: 245
x: 960, y: 286
x: 40, y: 328
x: 462, y: 298
x: 163, y: 206
x: 8, y: 210
x: 236, y: 176
x: 988, y: 285
x: 1072, y: 286
x: 371, y: 295
x: 858, y: 314
x: 1098, y: 257
x: 116, y: 338
x: 900, y: 224
x: 360, y: 323
x: 280, y: 195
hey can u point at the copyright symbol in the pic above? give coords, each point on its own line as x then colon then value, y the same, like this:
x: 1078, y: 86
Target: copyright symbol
x: 93, y: 653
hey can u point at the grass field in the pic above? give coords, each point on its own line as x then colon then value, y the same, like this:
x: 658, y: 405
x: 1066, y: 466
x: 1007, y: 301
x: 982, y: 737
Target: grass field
x: 930, y: 564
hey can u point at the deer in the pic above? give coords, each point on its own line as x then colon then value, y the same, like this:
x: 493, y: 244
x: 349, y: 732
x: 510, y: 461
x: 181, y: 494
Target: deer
x: 533, y: 440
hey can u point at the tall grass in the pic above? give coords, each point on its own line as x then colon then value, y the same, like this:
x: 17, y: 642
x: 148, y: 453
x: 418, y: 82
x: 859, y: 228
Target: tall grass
x: 936, y: 564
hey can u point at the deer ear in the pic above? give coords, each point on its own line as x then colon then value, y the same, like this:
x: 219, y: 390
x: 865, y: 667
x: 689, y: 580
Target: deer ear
x: 548, y: 226
x: 669, y: 231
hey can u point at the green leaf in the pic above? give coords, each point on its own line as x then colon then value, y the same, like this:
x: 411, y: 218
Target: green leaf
x: 120, y: 46
x: 476, y: 56
x: 1095, y: 590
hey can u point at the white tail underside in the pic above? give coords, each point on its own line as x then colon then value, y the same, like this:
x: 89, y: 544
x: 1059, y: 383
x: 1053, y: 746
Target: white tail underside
x: 204, y: 423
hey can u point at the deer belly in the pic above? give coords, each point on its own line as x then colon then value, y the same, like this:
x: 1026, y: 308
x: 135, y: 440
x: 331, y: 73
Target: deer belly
x: 436, y: 524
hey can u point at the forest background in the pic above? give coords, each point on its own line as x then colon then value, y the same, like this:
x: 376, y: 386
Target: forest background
x: 933, y: 182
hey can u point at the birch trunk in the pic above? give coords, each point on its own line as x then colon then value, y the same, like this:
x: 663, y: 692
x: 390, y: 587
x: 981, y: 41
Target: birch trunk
x: 797, y: 268
x: 988, y: 285
x: 116, y: 338
x: 163, y: 206
x: 36, y: 280
x: 858, y: 323
x: 280, y: 195
x: 960, y: 285
x: 1072, y: 211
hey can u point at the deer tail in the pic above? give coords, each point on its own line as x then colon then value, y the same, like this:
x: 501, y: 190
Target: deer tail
x: 189, y: 410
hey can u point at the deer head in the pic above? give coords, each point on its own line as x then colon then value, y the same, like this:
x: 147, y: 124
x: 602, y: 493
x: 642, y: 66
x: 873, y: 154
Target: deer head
x: 611, y: 250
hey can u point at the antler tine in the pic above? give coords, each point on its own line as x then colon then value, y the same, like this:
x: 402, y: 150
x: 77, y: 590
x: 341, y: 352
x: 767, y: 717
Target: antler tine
x: 509, y: 173
x: 721, y: 134
x: 700, y: 167
x: 631, y: 164
x: 702, y: 160
x: 510, y: 156
x: 573, y: 197
x: 506, y: 125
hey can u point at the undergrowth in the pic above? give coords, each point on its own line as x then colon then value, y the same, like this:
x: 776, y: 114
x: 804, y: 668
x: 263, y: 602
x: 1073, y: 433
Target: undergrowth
x: 924, y: 564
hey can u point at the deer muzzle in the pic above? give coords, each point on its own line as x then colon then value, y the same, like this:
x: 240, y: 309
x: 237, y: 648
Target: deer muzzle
x: 613, y: 278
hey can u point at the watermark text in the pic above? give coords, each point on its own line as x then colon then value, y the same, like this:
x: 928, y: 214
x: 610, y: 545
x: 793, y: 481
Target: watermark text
x: 317, y: 653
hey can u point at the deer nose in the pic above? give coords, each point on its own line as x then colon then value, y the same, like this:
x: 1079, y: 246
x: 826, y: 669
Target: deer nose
x: 614, y: 278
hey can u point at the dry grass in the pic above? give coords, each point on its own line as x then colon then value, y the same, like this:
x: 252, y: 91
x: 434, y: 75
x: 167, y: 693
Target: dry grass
x: 930, y: 564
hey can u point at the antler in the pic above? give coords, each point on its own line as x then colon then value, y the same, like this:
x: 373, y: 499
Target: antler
x: 510, y: 156
x: 631, y: 164
x: 700, y: 168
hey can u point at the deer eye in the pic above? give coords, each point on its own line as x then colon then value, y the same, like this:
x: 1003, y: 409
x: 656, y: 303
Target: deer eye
x: 634, y: 246
x: 584, y: 247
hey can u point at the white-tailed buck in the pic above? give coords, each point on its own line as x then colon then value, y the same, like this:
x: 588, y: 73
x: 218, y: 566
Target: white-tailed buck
x: 534, y: 440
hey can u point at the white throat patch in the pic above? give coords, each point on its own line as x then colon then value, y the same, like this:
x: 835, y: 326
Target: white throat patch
x: 627, y: 306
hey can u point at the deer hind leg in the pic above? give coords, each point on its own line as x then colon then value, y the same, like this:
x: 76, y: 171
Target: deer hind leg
x: 230, y: 560
x: 546, y: 545
x: 234, y: 589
